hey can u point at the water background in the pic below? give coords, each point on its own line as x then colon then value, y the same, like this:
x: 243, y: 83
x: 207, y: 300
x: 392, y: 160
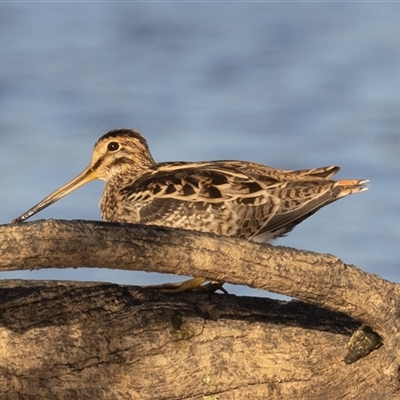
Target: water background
x: 292, y: 85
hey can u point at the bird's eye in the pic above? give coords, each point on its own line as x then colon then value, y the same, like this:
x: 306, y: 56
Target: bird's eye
x: 113, y: 146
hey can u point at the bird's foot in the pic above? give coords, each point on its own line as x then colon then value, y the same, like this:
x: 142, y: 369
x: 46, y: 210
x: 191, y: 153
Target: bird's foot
x: 194, y: 284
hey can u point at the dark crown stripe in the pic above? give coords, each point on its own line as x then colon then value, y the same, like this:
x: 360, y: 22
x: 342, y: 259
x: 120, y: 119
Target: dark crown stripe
x: 124, y: 132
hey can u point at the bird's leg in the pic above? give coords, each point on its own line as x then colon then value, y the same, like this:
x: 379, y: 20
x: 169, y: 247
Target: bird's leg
x: 212, y: 287
x: 189, y: 285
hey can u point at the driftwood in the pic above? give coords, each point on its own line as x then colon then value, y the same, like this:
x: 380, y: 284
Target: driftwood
x: 69, y: 340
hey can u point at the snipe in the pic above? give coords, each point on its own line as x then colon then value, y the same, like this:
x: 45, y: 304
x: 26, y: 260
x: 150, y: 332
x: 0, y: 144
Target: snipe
x: 233, y: 198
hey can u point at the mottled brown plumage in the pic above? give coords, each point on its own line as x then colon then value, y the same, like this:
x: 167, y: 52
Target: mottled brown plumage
x: 234, y: 198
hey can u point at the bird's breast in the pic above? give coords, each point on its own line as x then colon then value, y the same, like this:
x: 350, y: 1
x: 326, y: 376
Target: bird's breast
x: 116, y: 207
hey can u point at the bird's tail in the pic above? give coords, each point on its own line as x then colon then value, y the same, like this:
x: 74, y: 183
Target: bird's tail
x: 351, y: 186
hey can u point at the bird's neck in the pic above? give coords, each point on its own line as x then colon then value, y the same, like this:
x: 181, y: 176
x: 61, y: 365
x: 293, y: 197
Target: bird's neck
x: 114, y: 203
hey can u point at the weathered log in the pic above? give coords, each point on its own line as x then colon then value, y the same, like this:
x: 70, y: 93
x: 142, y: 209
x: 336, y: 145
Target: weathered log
x: 87, y: 340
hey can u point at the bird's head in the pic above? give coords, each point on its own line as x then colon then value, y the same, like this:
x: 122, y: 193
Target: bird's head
x: 117, y: 152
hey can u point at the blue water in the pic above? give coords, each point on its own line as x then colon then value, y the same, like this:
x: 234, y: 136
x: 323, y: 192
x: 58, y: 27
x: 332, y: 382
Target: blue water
x: 292, y: 85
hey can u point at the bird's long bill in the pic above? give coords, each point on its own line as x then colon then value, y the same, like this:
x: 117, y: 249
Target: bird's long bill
x: 84, y: 177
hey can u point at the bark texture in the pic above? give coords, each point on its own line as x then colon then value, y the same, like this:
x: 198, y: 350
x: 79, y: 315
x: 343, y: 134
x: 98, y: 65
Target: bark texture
x: 88, y: 340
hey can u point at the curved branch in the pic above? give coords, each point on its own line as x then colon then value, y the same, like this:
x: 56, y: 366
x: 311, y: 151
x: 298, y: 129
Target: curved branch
x: 319, y: 279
